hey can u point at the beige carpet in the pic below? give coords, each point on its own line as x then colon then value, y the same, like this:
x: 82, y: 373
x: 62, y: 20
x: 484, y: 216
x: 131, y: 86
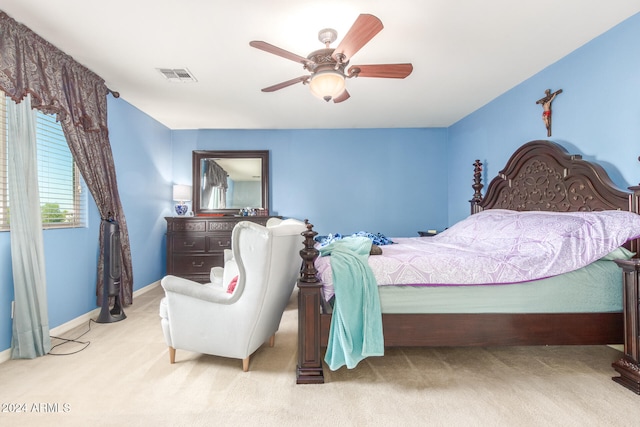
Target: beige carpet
x: 124, y: 378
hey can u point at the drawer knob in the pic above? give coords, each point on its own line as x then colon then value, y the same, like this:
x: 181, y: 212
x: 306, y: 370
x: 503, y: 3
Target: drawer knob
x: 188, y: 245
x: 223, y: 245
x: 200, y: 264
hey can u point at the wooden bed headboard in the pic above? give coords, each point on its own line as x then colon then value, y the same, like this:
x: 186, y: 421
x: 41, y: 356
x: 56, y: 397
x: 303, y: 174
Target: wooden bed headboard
x: 543, y: 176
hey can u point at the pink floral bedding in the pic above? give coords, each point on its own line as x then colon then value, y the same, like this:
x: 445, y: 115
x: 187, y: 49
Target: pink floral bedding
x: 499, y: 247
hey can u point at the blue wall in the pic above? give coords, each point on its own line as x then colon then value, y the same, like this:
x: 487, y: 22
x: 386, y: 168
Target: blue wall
x: 6, y: 291
x: 597, y: 115
x: 390, y: 181
x: 142, y: 154
x: 393, y: 181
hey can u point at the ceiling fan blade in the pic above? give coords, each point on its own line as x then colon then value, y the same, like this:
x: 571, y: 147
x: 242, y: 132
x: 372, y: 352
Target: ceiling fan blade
x: 280, y: 52
x: 342, y: 97
x: 363, y: 30
x: 386, y: 71
x: 285, y: 84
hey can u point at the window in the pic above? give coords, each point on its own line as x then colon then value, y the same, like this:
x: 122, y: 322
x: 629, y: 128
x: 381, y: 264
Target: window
x: 63, y: 201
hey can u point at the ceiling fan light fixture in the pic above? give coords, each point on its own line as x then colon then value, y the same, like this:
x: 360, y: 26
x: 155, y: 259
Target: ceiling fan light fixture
x: 327, y: 84
x: 326, y: 67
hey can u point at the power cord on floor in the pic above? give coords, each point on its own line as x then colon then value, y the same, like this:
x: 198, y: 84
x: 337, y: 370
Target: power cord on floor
x: 72, y: 340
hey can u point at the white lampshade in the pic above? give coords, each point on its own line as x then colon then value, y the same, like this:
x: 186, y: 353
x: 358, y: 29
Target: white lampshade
x: 182, y: 193
x: 327, y: 84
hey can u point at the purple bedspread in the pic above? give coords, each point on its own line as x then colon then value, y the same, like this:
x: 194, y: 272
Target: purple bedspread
x: 499, y: 247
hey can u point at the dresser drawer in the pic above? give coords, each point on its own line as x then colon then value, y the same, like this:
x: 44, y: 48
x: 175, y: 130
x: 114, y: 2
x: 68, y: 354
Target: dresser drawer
x: 218, y: 242
x: 188, y: 243
x: 195, y: 264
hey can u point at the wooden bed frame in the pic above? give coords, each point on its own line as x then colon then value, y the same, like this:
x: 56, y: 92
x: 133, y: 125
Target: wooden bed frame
x: 540, y: 175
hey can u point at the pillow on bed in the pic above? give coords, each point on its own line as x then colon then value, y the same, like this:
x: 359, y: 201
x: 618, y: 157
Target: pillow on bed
x: 584, y: 235
x: 618, y: 253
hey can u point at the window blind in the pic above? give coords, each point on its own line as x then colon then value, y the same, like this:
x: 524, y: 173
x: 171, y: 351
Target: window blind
x: 63, y: 200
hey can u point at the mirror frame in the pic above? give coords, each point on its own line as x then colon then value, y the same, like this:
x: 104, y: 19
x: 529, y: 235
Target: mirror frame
x: 198, y: 155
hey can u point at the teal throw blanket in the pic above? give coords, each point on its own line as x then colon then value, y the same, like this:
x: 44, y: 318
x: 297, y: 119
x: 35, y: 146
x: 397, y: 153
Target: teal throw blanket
x: 356, y: 324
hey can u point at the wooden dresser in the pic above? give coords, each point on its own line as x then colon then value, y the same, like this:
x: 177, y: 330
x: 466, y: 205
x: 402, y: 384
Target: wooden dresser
x: 195, y: 244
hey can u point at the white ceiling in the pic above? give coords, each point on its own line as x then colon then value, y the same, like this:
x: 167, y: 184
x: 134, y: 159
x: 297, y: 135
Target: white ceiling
x: 464, y: 53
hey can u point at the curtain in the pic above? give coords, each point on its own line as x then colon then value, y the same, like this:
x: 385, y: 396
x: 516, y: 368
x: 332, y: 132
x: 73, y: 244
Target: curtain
x: 219, y: 198
x: 31, y: 320
x: 60, y: 85
x: 92, y: 153
x: 215, y: 185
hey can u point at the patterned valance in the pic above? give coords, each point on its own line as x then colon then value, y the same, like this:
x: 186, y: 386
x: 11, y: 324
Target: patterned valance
x: 215, y: 175
x: 60, y: 85
x: 57, y: 83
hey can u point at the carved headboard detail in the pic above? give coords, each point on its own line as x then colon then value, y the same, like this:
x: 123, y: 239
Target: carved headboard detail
x: 542, y: 175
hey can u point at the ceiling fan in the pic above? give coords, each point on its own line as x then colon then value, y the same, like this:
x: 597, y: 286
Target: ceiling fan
x: 327, y: 66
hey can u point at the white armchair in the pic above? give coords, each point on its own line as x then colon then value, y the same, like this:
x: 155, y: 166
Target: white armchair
x: 211, y: 318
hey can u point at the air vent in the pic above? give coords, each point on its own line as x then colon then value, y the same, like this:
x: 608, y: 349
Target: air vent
x: 177, y: 75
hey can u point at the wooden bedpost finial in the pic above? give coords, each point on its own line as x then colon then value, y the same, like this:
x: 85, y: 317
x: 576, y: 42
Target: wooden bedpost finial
x: 477, y: 187
x: 309, y: 254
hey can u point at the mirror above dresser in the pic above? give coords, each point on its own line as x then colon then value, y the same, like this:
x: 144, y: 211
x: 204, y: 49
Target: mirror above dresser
x: 224, y: 182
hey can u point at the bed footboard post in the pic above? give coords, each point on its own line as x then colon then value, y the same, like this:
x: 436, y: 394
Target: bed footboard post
x: 309, y: 369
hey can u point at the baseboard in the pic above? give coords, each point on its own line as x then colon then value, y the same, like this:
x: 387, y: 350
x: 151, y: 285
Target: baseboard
x: 146, y: 288
x: 80, y: 320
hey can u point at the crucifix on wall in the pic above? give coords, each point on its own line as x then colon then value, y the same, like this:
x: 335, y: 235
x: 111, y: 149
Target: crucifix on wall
x: 546, y: 107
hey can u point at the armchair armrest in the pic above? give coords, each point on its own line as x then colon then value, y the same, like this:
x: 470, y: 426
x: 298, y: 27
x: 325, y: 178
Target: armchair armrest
x: 216, y: 275
x: 195, y: 290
